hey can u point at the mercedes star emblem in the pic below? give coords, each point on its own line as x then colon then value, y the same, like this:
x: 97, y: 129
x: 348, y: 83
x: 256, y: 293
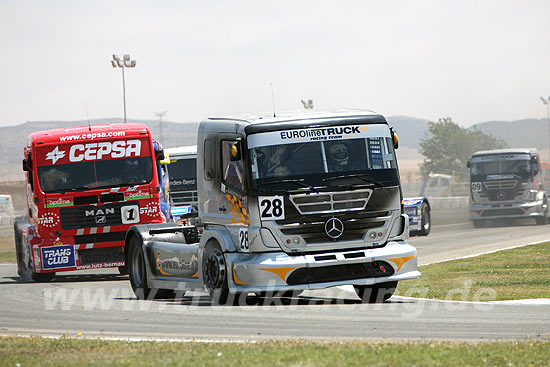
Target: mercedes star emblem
x: 501, y: 195
x: 334, y: 227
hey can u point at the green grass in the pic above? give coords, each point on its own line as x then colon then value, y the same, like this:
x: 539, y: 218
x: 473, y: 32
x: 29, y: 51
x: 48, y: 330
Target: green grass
x: 520, y: 273
x: 7, y: 245
x: 64, y: 352
x: 7, y: 257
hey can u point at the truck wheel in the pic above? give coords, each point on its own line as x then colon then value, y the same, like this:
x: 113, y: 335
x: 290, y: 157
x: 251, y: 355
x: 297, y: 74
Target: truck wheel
x: 375, y: 293
x: 136, y: 269
x: 22, y: 268
x: 426, y: 220
x: 214, y: 271
x: 42, y: 277
x: 541, y: 220
x: 478, y: 223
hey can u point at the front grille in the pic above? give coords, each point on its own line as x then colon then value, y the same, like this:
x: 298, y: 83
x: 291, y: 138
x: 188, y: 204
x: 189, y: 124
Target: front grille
x: 316, y: 203
x: 337, y: 273
x: 355, y: 226
x: 100, y: 237
x: 501, y: 184
x: 184, y: 197
x: 101, y: 255
x: 93, y: 216
x: 501, y: 211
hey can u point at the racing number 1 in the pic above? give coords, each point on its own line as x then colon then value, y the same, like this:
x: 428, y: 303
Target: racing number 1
x: 271, y: 207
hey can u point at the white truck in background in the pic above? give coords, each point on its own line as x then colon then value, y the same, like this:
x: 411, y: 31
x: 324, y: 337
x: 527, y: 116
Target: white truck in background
x: 181, y: 163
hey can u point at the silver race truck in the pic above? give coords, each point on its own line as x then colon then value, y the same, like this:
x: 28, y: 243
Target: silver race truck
x: 507, y: 184
x: 288, y: 203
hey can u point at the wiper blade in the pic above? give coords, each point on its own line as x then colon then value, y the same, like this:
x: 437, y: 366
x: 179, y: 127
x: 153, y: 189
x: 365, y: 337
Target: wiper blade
x: 79, y: 188
x: 356, y: 175
x: 135, y: 183
x: 297, y: 182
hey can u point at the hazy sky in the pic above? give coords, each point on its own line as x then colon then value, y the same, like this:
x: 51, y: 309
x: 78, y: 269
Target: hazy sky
x: 472, y: 60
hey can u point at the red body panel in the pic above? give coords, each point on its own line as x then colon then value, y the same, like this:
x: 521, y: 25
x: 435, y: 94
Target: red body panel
x: 84, y: 229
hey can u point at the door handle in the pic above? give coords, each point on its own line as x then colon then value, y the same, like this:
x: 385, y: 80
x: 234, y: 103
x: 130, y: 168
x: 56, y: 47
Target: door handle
x: 222, y: 209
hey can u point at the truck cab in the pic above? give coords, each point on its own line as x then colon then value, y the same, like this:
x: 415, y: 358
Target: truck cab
x: 181, y: 164
x: 507, y: 184
x: 85, y: 187
x: 287, y: 203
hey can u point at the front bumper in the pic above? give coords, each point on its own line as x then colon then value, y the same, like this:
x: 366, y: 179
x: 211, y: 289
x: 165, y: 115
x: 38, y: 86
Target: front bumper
x: 516, y: 210
x: 279, y: 271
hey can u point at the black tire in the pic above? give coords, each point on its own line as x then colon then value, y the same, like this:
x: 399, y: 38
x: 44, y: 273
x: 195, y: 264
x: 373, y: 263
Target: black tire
x: 478, y: 223
x: 541, y: 220
x: 22, y: 268
x: 375, y: 293
x: 426, y: 220
x: 136, y: 269
x: 42, y: 277
x: 214, y: 270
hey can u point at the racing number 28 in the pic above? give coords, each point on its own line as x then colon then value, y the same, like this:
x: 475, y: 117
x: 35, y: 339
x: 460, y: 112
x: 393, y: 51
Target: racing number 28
x: 271, y: 207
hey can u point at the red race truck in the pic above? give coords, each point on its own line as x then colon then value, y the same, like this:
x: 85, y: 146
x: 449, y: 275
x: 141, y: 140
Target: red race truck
x: 85, y: 187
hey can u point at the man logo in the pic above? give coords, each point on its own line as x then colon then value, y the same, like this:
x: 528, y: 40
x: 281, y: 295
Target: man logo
x: 101, y: 219
x: 334, y: 228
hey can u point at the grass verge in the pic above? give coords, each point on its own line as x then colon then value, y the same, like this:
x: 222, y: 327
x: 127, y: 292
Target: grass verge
x: 7, y: 257
x: 519, y: 273
x: 92, y: 352
x: 7, y: 245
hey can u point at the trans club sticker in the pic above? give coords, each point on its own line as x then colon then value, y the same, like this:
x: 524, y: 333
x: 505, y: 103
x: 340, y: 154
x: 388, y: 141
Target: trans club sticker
x: 56, y: 257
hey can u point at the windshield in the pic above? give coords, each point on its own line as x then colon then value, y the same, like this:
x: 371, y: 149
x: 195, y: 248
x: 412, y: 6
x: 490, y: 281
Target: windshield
x: 183, y: 174
x: 95, y: 174
x: 366, y: 152
x: 511, y: 164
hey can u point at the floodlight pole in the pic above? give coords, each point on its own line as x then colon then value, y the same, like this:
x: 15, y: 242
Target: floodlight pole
x: 123, y: 63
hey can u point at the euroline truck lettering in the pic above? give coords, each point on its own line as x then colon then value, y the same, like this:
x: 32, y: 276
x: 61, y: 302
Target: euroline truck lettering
x: 79, y: 197
x: 281, y: 211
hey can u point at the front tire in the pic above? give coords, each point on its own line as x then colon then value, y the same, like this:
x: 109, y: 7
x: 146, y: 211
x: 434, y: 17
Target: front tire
x: 478, y: 223
x: 214, y: 270
x: 541, y: 220
x: 426, y: 220
x: 136, y: 269
x: 375, y: 293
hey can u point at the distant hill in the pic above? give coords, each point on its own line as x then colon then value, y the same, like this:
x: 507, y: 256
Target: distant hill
x: 409, y: 129
x: 15, y: 137
x: 530, y: 133
x: 522, y: 133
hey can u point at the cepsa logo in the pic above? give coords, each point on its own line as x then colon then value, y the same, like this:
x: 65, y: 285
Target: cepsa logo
x: 97, y: 151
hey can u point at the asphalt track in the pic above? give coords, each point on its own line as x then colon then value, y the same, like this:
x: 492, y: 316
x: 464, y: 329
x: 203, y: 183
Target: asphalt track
x: 102, y: 304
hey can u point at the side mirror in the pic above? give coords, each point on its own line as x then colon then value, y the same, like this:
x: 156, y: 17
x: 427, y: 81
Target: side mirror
x: 166, y: 159
x: 394, y: 138
x: 27, y: 164
x: 468, y: 164
x: 535, y: 162
x: 236, y: 152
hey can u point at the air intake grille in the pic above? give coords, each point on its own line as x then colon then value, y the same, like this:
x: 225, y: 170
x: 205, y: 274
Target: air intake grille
x: 331, y: 202
x: 499, y: 185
